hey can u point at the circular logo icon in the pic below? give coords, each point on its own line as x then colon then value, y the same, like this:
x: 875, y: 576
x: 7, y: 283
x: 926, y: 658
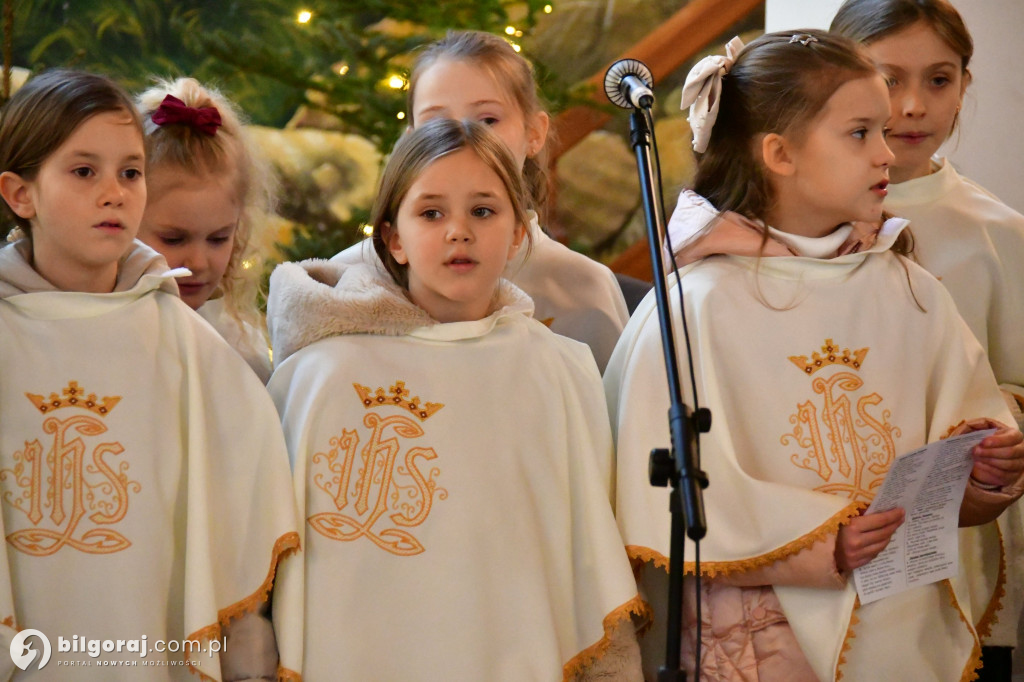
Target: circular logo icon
x: 23, y: 655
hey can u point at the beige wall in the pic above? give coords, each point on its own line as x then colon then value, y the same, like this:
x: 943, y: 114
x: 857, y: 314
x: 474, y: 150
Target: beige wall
x: 990, y: 149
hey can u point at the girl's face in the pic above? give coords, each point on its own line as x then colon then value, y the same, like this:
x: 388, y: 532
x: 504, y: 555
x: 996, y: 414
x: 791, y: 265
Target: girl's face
x: 85, y: 203
x: 191, y: 219
x: 926, y: 87
x: 461, y: 90
x: 837, y: 171
x: 456, y: 231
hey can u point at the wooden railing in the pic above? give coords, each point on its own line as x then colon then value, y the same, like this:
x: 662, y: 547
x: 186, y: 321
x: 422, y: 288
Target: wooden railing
x: 664, y: 50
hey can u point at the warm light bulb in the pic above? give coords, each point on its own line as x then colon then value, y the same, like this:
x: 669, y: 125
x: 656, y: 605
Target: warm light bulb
x: 400, y: 115
x: 396, y: 82
x: 367, y: 229
x: 304, y: 16
x: 510, y: 30
x: 548, y: 9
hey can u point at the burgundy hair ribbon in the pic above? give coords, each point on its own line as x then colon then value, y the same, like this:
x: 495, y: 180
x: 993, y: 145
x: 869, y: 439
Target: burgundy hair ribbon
x: 172, y: 111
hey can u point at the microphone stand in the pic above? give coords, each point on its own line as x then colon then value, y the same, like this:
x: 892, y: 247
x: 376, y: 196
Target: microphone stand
x: 678, y: 467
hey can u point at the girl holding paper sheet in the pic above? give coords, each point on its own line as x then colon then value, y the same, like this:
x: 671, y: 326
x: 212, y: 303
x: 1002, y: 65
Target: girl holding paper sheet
x: 823, y: 354
x: 966, y: 237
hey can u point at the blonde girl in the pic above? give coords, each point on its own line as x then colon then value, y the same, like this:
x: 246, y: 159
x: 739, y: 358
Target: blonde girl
x: 478, y: 76
x: 820, y: 366
x: 208, y: 191
x: 966, y: 237
x: 452, y: 456
x: 144, y: 478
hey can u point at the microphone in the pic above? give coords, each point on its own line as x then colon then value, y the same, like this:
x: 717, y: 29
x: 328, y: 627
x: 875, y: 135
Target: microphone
x: 628, y: 84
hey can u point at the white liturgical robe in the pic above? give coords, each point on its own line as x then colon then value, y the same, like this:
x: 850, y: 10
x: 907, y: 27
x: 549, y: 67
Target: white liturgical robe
x: 144, y: 475
x: 454, y: 482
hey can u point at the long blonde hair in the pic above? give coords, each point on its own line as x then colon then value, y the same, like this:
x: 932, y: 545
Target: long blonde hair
x: 228, y: 151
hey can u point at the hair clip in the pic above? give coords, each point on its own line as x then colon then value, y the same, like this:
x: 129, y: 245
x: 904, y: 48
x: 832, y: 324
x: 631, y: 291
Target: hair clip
x: 804, y: 39
x: 172, y: 111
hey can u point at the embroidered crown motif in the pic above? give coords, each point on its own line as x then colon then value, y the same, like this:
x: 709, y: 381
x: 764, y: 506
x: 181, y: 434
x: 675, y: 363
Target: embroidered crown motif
x: 831, y: 355
x: 74, y: 396
x: 398, y: 397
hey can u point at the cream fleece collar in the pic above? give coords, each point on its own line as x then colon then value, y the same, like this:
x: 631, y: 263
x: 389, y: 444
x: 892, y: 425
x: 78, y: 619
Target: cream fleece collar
x: 317, y: 299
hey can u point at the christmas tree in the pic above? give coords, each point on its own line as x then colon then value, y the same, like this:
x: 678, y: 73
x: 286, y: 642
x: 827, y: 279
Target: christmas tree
x: 346, y: 61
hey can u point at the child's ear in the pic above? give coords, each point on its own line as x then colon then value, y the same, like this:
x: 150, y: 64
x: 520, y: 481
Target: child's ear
x: 15, y: 191
x: 776, y: 154
x: 518, y: 236
x: 394, y: 243
x: 965, y: 80
x: 537, y: 133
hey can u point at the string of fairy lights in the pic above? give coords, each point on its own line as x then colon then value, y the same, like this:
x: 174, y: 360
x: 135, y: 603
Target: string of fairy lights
x: 396, y: 81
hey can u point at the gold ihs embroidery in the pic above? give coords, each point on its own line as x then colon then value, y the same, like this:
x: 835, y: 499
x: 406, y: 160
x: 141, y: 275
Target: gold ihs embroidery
x: 847, y: 438
x: 60, y: 485
x: 384, y: 480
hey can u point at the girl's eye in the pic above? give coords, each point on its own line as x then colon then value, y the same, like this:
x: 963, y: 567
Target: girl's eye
x: 489, y: 120
x: 885, y: 132
x: 172, y: 241
x: 83, y: 172
x: 891, y: 81
x: 132, y: 173
x: 860, y: 133
x: 431, y: 214
x: 940, y: 81
x: 218, y: 240
x: 482, y: 212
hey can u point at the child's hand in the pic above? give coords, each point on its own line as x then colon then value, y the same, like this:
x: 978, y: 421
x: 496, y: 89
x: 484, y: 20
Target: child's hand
x: 865, y: 537
x: 999, y: 458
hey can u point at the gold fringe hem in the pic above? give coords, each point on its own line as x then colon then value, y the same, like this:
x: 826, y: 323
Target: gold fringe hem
x: 847, y: 644
x: 715, y: 568
x: 285, y: 545
x: 580, y: 661
x: 974, y: 662
x: 287, y: 675
x: 640, y: 555
x: 989, y: 618
x: 972, y: 667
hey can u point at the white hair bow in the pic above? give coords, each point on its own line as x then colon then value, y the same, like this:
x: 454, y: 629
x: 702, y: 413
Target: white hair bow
x: 702, y: 90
